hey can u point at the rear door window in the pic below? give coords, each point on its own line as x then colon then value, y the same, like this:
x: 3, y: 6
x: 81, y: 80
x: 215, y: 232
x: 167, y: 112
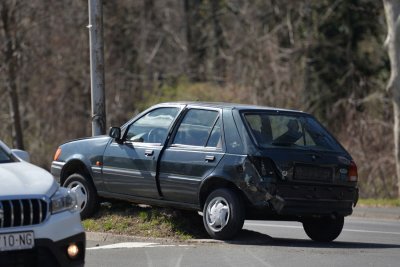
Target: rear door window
x: 199, y: 128
x: 297, y: 130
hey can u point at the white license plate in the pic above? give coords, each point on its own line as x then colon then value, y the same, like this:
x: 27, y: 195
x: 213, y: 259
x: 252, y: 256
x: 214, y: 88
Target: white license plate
x: 17, y: 241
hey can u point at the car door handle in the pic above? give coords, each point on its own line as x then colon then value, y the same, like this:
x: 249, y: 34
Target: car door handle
x: 209, y: 158
x: 148, y: 152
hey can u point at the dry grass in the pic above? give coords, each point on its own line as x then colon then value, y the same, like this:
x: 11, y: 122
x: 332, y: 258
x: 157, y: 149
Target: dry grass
x: 382, y: 202
x: 129, y: 219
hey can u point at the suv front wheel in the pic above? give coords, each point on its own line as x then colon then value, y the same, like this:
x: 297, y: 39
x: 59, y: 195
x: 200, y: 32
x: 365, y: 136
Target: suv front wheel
x: 325, y: 229
x: 223, y: 214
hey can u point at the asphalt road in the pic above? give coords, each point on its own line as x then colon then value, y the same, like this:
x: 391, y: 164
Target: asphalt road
x: 363, y: 242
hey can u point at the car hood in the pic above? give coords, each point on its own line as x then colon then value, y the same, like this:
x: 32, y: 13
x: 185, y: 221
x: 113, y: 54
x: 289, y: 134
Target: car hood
x: 22, y: 178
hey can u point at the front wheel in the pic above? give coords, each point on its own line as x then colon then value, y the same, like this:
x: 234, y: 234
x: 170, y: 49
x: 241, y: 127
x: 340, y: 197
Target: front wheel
x: 85, y: 192
x: 223, y: 214
x: 325, y: 229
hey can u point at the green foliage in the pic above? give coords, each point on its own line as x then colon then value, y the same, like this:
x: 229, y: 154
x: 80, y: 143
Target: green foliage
x: 346, y: 56
x: 143, y: 215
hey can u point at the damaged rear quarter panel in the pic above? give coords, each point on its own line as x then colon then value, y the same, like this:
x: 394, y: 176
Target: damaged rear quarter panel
x: 240, y: 170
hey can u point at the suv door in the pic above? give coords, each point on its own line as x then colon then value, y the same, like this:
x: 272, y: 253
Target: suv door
x: 130, y: 166
x: 192, y: 155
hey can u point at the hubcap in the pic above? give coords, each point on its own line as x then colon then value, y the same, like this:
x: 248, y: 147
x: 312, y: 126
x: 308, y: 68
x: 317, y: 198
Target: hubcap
x: 217, y: 214
x: 81, y: 193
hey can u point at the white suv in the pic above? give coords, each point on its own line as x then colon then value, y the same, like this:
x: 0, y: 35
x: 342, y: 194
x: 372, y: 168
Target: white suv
x: 39, y: 221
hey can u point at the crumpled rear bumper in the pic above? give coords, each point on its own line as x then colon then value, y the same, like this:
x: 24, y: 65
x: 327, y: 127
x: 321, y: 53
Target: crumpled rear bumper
x: 314, y: 200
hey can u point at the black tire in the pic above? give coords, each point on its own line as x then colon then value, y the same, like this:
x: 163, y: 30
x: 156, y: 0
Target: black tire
x: 325, y: 229
x: 87, y: 191
x: 223, y: 214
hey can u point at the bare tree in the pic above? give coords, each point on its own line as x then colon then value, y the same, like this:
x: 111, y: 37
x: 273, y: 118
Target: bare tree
x: 392, y: 43
x: 196, y: 39
x: 10, y: 51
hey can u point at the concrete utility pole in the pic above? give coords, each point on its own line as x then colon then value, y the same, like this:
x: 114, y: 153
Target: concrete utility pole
x: 97, y: 67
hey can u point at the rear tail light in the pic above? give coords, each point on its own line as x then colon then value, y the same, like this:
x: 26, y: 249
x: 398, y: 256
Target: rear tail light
x: 264, y: 166
x: 353, y: 174
x: 57, y: 154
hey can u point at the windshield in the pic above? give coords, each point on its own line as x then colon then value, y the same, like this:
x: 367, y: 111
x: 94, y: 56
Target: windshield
x: 4, y: 156
x: 283, y: 130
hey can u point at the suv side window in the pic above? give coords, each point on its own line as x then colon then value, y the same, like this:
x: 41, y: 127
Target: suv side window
x: 4, y: 157
x: 152, y: 127
x: 199, y: 128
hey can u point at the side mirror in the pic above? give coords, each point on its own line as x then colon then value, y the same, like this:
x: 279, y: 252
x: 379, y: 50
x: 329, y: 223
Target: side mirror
x: 21, y: 154
x: 115, y: 132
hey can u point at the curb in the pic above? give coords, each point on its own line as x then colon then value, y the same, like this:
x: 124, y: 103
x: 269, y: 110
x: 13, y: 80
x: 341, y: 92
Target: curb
x: 248, y: 238
x: 112, y: 238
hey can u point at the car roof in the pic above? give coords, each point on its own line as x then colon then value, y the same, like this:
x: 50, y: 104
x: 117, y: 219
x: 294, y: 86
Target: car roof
x: 229, y: 106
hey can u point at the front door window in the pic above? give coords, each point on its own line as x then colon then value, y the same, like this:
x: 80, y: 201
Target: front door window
x: 152, y: 127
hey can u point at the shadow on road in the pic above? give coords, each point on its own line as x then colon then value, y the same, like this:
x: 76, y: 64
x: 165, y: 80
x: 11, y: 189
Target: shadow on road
x: 248, y: 237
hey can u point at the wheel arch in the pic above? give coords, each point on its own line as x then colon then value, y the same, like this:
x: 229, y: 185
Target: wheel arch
x: 75, y: 166
x: 216, y: 182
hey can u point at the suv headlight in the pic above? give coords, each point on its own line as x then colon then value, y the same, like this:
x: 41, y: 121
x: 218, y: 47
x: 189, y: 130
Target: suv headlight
x: 63, y: 200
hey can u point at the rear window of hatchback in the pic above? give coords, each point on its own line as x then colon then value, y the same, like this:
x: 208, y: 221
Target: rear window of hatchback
x: 271, y: 129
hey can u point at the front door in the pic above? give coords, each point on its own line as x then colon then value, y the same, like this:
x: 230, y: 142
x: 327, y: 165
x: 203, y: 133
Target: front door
x: 130, y: 166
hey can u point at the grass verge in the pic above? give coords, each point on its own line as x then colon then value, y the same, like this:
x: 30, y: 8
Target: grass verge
x: 129, y: 219
x: 382, y: 202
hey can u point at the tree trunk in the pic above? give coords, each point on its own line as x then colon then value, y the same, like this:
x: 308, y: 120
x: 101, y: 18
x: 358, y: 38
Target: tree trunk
x: 195, y: 39
x: 219, y: 43
x: 392, y: 43
x: 9, y: 22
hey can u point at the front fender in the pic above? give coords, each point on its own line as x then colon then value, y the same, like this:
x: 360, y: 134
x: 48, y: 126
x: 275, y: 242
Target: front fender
x: 85, y: 156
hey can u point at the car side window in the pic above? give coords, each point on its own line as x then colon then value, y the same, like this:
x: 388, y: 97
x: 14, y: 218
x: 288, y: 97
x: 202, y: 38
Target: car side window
x: 198, y: 127
x: 215, y: 139
x: 152, y: 127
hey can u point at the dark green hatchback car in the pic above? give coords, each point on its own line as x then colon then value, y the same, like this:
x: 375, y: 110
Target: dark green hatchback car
x: 231, y: 162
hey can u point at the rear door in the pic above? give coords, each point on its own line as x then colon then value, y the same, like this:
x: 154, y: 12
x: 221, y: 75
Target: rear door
x: 130, y: 166
x: 192, y: 154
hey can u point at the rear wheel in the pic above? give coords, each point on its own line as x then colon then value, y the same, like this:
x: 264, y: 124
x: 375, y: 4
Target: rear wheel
x: 223, y: 214
x: 85, y: 192
x: 325, y: 229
